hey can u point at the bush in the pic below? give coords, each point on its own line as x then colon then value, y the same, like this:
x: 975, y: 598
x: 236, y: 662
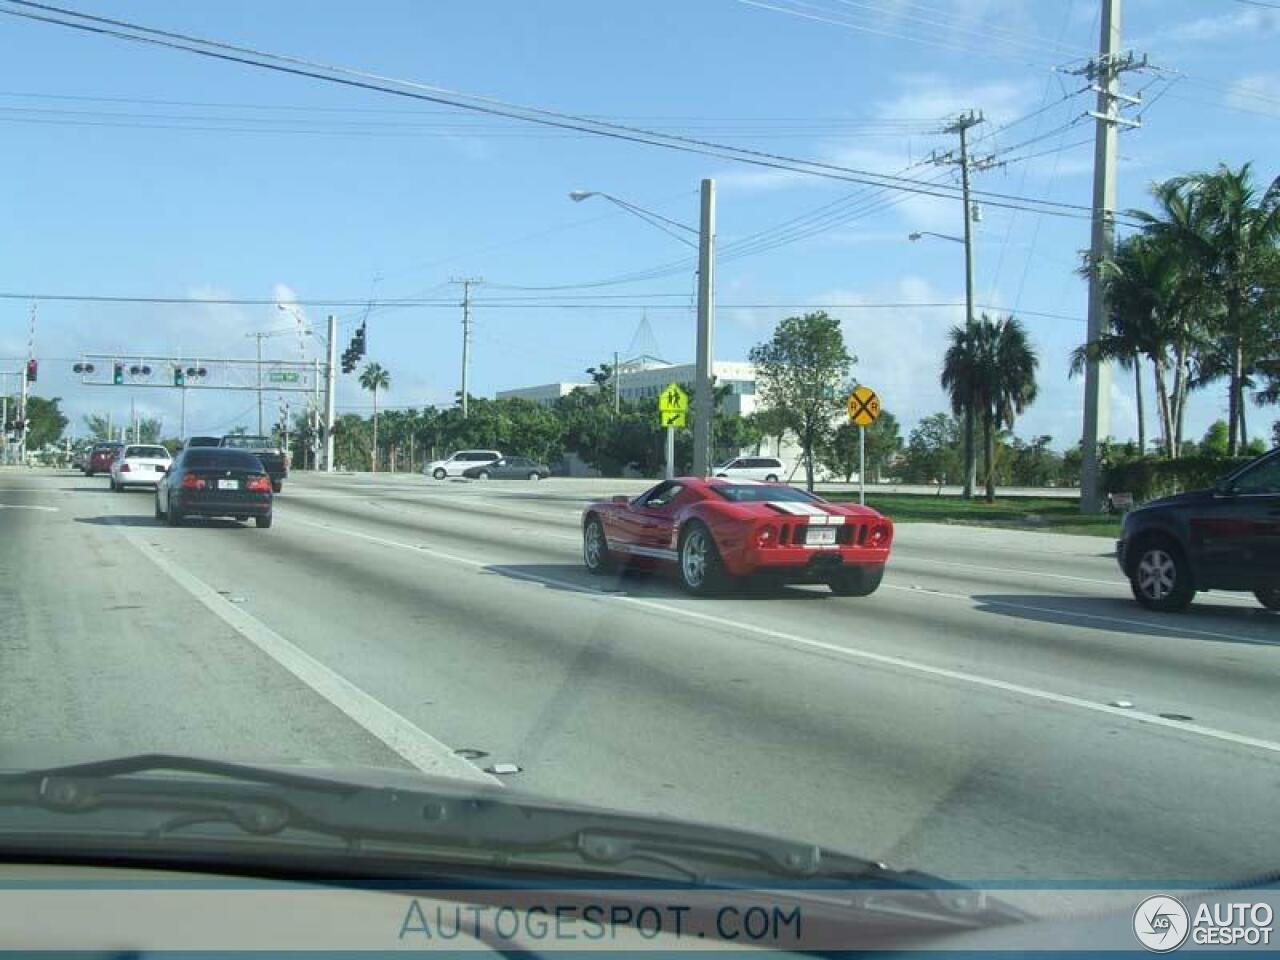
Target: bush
x: 1150, y: 478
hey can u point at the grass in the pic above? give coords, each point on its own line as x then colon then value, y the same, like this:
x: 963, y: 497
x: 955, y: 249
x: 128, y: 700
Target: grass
x: 1014, y: 513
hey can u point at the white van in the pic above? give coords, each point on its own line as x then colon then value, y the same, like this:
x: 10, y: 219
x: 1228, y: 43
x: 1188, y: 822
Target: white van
x: 769, y: 469
x: 452, y: 466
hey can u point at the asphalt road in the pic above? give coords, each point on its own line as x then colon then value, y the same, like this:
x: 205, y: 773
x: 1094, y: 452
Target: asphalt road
x: 963, y: 720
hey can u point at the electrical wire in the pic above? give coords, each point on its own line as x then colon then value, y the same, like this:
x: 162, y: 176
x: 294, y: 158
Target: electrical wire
x: 489, y: 105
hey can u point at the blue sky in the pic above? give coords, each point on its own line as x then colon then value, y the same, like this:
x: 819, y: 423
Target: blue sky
x: 131, y: 170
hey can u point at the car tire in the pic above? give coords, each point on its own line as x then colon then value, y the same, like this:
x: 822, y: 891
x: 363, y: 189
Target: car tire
x: 171, y: 516
x: 535, y: 475
x: 771, y: 478
x: 698, y: 559
x: 482, y: 475
x: 159, y: 512
x: 115, y: 487
x: 1269, y: 597
x: 857, y: 581
x: 263, y: 522
x: 439, y: 473
x: 241, y: 518
x: 1161, y: 577
x: 88, y: 473
x: 595, y: 548
x: 277, y: 486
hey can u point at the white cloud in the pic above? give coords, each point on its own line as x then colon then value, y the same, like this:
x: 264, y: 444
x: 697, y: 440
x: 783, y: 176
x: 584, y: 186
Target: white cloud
x: 1253, y: 21
x: 928, y: 96
x: 1259, y: 92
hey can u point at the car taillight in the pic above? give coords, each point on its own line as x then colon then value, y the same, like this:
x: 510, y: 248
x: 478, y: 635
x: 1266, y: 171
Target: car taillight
x: 880, y: 535
x: 767, y: 536
x: 259, y: 484
x: 191, y: 482
x: 124, y: 468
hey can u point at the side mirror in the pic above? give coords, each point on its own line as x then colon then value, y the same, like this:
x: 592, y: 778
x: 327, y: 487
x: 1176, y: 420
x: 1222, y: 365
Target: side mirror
x: 620, y: 498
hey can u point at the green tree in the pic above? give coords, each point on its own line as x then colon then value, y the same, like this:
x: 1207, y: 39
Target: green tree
x: 1034, y: 464
x: 883, y: 444
x: 933, y: 453
x: 45, y: 421
x: 1227, y: 241
x: 375, y: 377
x: 993, y: 369
x: 96, y: 426
x: 1216, y: 440
x: 798, y: 372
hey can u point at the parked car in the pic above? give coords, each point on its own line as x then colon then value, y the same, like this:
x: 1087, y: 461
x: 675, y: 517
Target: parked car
x: 1223, y: 538
x: 769, y: 469
x: 714, y: 530
x: 202, y: 442
x: 215, y: 482
x: 139, y: 465
x: 274, y: 458
x: 456, y: 464
x: 100, y: 457
x: 509, y: 468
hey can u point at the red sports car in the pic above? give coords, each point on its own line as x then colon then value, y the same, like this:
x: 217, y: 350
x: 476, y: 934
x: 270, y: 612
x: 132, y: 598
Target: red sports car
x: 716, y: 529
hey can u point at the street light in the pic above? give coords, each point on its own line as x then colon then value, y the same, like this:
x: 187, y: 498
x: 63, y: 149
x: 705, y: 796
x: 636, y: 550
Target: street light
x: 913, y: 237
x: 704, y: 401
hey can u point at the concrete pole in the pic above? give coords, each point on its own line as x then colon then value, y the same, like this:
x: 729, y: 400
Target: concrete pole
x: 1097, y: 376
x: 703, y: 398
x: 330, y: 378
x: 970, y: 321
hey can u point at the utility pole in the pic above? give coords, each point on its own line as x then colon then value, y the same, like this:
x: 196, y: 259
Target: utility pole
x: 967, y: 164
x: 330, y: 380
x: 617, y: 406
x: 315, y: 413
x: 259, y: 337
x: 467, y: 284
x: 22, y: 403
x: 1104, y: 73
x: 703, y: 397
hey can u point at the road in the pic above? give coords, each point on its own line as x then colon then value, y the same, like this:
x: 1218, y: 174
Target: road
x: 995, y: 713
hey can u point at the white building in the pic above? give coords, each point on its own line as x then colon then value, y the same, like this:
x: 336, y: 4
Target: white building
x: 546, y: 394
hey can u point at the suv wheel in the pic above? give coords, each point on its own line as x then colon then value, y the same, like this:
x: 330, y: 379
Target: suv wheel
x: 1269, y: 597
x: 439, y: 473
x: 857, y: 581
x: 771, y: 478
x: 1161, y: 577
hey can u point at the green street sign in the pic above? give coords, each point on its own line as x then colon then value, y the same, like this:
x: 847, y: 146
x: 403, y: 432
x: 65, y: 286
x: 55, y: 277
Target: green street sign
x: 283, y: 376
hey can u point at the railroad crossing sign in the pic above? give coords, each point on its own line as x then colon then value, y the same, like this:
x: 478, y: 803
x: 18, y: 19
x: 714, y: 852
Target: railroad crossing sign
x: 673, y: 406
x: 864, y: 406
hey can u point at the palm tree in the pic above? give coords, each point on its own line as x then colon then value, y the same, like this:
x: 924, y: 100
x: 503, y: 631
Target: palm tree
x: 1227, y: 236
x: 991, y: 369
x: 1147, y: 297
x: 374, y: 377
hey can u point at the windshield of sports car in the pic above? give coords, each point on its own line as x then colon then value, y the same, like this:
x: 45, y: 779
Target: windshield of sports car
x: 760, y: 493
x: 825, y: 419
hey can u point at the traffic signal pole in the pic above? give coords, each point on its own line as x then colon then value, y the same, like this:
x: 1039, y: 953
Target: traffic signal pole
x: 330, y: 384
x: 703, y: 394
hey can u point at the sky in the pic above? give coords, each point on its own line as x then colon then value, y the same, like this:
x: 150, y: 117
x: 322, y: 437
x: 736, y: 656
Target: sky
x: 137, y: 171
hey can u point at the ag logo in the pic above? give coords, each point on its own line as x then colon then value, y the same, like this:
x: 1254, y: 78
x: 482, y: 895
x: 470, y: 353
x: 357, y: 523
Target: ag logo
x: 1161, y: 923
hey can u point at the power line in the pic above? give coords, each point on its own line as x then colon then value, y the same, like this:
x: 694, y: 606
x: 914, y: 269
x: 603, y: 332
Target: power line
x: 488, y: 105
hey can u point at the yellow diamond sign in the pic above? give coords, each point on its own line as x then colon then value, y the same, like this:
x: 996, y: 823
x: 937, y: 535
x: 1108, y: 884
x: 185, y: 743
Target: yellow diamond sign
x: 673, y: 399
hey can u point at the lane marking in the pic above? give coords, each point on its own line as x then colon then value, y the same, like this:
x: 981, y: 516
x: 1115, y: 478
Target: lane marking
x: 27, y: 506
x: 852, y: 653
x: 410, y: 741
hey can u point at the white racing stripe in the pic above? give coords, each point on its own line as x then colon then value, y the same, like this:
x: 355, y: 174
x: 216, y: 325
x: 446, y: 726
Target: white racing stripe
x: 742, y: 628
x: 411, y: 742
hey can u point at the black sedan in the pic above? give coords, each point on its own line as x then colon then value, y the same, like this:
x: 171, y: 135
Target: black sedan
x: 509, y: 468
x: 1224, y: 538
x: 215, y: 482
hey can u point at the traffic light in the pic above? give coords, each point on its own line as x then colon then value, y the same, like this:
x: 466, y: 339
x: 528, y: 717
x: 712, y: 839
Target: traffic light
x: 117, y: 374
x: 32, y: 369
x: 358, y: 343
x: 179, y: 377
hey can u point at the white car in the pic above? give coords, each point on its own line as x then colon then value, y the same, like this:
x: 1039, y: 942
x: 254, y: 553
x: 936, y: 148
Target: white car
x: 769, y: 469
x: 139, y: 465
x: 462, y: 460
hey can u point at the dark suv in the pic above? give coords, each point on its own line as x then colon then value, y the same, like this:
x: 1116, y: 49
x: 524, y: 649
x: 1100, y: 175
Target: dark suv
x: 1224, y: 538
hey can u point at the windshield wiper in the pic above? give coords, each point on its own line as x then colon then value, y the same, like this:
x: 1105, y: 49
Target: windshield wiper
x: 490, y: 821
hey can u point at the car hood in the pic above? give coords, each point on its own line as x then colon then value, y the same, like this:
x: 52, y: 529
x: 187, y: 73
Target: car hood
x: 1190, y: 497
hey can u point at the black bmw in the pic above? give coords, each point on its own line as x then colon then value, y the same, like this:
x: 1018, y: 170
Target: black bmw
x: 215, y: 482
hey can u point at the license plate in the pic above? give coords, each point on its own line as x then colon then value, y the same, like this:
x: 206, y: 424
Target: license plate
x: 228, y: 484
x: 820, y: 536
